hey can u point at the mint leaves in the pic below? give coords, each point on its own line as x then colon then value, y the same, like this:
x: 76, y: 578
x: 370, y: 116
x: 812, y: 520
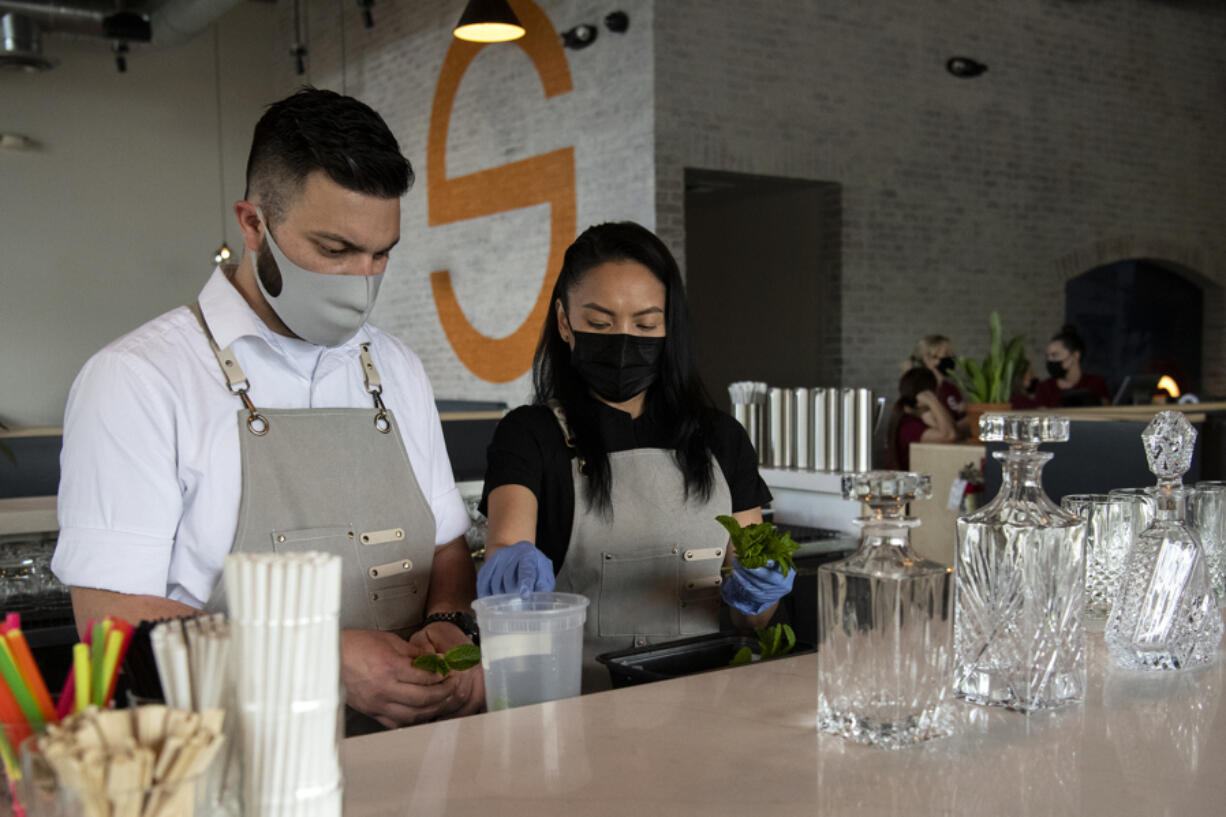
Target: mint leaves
x: 458, y: 658
x: 773, y: 642
x: 757, y: 544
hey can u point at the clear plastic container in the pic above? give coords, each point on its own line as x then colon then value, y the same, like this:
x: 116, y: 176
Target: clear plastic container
x: 531, y: 648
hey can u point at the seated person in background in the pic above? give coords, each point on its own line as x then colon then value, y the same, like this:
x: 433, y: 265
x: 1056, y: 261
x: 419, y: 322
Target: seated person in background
x: 620, y: 458
x: 1069, y: 385
x: 917, y: 416
x: 936, y: 354
x: 1024, y: 384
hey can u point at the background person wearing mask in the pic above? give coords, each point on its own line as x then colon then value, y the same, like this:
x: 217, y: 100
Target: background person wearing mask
x: 621, y: 464
x: 936, y: 354
x: 257, y: 410
x: 1068, y: 385
x: 917, y: 416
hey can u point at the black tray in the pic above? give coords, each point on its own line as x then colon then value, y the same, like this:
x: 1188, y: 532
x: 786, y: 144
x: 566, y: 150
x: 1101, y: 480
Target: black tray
x: 686, y: 656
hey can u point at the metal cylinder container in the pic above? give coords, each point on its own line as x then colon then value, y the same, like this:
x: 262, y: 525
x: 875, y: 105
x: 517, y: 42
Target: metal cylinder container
x: 776, y: 428
x: 802, y: 426
x: 863, y: 430
x: 821, y: 433
x: 847, y: 430
x: 834, y: 445
x: 754, y: 425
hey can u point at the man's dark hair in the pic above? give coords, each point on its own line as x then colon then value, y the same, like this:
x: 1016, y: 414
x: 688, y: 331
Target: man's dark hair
x: 322, y: 130
x: 678, y: 399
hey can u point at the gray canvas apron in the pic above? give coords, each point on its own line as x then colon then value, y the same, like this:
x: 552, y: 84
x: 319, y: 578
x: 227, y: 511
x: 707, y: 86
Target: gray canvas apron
x: 336, y: 480
x: 652, y: 571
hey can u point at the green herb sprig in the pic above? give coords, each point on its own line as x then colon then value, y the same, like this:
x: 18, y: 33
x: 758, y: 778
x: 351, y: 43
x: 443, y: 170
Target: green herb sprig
x: 758, y: 544
x: 458, y: 658
x: 773, y: 642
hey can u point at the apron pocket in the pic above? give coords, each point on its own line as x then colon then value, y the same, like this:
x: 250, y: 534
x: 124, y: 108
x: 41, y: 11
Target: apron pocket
x: 638, y: 595
x: 339, y: 541
x: 397, y: 608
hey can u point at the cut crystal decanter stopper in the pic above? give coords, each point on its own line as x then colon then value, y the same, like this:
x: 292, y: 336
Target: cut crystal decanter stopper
x: 1165, y: 615
x: 1019, y: 587
x: 885, y: 632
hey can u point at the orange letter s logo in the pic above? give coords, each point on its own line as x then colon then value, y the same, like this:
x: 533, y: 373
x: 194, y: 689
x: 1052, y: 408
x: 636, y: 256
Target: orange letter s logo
x: 545, y: 179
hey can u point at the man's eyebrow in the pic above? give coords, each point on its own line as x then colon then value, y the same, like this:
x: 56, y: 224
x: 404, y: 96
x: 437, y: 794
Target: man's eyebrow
x: 349, y: 245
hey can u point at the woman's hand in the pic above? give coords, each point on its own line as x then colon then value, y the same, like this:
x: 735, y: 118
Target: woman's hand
x: 520, y: 568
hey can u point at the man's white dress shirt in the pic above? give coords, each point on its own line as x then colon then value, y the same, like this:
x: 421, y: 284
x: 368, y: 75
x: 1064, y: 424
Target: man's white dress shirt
x: 150, y: 471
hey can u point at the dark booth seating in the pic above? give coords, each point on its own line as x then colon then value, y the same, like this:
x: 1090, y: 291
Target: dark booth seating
x: 1101, y: 455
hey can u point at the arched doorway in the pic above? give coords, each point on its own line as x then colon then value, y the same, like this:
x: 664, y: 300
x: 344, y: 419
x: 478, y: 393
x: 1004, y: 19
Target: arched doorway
x: 1139, y: 316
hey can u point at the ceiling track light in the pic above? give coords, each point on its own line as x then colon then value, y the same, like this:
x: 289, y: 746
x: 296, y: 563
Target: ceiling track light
x: 488, y: 21
x: 581, y: 36
x: 964, y: 67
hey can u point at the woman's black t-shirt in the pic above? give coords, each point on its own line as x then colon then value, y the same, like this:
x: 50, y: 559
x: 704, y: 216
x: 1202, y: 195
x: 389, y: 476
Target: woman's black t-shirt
x: 528, y: 450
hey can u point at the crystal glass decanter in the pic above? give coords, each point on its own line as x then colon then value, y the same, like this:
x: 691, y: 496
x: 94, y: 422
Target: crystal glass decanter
x: 1019, y: 584
x: 1165, y: 615
x: 885, y: 626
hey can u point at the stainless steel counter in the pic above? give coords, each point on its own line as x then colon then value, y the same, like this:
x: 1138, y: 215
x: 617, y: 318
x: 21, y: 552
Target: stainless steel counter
x: 742, y: 742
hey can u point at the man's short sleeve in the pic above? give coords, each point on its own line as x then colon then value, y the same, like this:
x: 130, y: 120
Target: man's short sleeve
x: 119, y: 500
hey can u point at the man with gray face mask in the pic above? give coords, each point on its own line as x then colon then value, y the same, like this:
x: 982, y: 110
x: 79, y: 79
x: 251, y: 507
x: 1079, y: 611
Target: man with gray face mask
x: 270, y: 416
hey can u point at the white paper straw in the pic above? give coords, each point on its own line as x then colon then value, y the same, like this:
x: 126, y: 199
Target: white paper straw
x: 285, y: 644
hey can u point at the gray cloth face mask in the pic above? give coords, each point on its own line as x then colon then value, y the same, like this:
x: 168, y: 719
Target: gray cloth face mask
x: 321, y: 308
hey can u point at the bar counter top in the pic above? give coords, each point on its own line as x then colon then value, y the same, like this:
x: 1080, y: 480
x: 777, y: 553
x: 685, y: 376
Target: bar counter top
x: 742, y: 742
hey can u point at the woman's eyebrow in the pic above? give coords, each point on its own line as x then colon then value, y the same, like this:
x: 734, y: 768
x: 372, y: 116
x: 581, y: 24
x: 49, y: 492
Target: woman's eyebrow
x: 598, y: 308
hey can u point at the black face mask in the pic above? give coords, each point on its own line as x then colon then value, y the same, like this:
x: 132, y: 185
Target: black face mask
x: 946, y: 365
x: 1056, y: 369
x: 617, y: 367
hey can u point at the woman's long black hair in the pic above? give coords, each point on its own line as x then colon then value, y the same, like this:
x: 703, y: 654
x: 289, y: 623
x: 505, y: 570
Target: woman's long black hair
x: 677, y: 400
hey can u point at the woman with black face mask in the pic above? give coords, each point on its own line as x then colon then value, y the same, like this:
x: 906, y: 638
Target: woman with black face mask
x: 936, y: 354
x: 608, y: 485
x: 1068, y: 385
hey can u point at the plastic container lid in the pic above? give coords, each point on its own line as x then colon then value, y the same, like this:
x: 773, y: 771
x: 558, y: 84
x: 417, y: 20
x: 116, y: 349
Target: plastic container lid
x: 539, y: 612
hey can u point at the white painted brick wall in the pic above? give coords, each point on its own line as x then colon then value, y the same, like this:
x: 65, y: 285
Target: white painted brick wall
x: 1095, y: 135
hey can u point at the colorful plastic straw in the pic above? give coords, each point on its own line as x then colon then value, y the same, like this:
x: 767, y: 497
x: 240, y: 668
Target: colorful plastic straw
x: 80, y: 668
x: 17, y: 685
x: 29, y: 672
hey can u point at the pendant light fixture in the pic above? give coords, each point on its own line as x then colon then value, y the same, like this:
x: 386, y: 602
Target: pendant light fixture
x: 223, y: 252
x: 488, y: 21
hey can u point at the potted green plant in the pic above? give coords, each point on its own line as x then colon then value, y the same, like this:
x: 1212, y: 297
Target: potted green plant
x: 988, y: 386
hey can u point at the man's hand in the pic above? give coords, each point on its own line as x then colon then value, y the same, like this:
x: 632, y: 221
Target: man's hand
x: 380, y: 680
x: 469, y: 694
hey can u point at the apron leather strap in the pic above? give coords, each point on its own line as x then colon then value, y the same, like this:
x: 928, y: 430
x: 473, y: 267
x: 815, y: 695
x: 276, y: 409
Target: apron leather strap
x: 257, y: 423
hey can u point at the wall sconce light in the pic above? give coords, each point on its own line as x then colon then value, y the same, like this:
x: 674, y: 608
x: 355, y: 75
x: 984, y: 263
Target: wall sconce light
x: 964, y: 67
x: 223, y: 254
x: 488, y: 21
x: 581, y: 36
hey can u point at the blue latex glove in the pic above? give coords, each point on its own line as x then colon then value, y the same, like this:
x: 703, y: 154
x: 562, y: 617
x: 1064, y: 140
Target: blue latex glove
x: 752, y: 590
x: 520, y: 568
